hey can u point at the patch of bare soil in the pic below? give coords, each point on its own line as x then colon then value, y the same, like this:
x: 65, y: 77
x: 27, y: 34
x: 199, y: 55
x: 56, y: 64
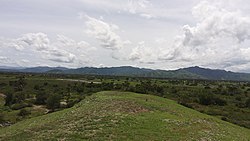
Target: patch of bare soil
x: 2, y: 95
x: 40, y: 107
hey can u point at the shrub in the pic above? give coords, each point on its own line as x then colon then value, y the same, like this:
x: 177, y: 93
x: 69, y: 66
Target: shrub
x: 18, y: 106
x: 41, y: 98
x: 72, y: 102
x: 24, y: 112
x: 53, y: 101
x: 211, y: 100
x: 2, y: 118
x: 248, y: 103
x: 224, y: 118
x: 183, y: 103
x: 9, y: 99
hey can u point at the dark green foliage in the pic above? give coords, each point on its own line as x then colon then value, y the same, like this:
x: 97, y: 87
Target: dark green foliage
x: 19, y: 97
x: 18, y: 106
x: 107, y: 86
x: 53, y: 101
x: 224, y: 118
x: 19, y: 84
x: 211, y: 100
x: 9, y: 99
x: 2, y: 118
x: 3, y: 84
x: 248, y: 103
x: 71, y: 103
x: 41, y: 98
x: 24, y: 112
x: 36, y: 87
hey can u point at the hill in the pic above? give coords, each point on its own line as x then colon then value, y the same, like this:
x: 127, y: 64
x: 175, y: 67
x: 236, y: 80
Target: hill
x: 217, y: 74
x: 133, y: 71
x: 113, y: 115
x: 185, y: 73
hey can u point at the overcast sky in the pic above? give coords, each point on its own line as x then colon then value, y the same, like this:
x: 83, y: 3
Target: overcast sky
x: 159, y: 34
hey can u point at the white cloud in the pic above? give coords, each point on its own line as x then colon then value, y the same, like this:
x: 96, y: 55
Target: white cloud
x: 143, y: 54
x: 60, y: 56
x: 148, y: 16
x: 7, y: 61
x: 38, y: 40
x: 217, y: 38
x: 139, y: 7
x: 23, y: 62
x: 63, y: 41
x: 4, y: 59
x: 215, y: 34
x: 48, y: 50
x: 62, y: 50
x: 105, y: 33
x: 10, y: 43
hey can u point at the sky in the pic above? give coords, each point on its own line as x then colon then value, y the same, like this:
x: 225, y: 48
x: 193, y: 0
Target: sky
x: 157, y: 34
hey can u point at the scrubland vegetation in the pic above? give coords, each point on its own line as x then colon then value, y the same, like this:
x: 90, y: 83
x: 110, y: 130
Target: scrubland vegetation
x: 25, y: 96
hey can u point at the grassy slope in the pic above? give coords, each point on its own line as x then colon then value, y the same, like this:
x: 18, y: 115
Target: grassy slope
x: 125, y: 116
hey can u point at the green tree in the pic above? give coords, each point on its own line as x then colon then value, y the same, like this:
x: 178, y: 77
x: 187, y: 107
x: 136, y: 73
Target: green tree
x: 53, y: 101
x: 41, y: 98
x: 248, y: 103
x: 9, y: 99
x: 19, y: 97
x: 2, y: 118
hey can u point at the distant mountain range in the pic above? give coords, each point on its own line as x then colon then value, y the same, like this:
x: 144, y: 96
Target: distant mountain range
x: 185, y: 73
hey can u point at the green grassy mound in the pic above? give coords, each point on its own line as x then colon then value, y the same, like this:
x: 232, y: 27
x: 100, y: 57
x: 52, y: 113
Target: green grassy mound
x: 125, y: 116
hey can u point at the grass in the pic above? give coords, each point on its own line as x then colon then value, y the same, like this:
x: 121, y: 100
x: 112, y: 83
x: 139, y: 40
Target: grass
x: 111, y: 115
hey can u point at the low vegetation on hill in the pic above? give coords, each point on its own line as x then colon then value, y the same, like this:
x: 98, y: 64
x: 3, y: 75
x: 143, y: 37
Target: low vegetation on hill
x: 112, y: 115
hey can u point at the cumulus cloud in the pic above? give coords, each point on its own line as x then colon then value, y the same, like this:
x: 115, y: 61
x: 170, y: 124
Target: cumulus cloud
x: 143, y: 54
x: 38, y: 40
x: 6, y: 61
x: 139, y: 7
x: 217, y: 39
x: 48, y: 50
x: 62, y: 56
x: 11, y: 43
x: 70, y: 43
x: 61, y: 50
x: 105, y: 33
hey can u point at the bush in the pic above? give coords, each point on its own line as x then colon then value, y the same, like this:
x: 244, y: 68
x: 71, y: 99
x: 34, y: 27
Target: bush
x: 224, y: 118
x: 53, y: 101
x: 24, y: 112
x: 238, y: 98
x: 18, y: 106
x: 211, y: 100
x: 9, y: 99
x: 72, y: 102
x: 219, y: 101
x: 41, y: 98
x: 185, y: 104
x: 248, y: 103
x: 2, y: 118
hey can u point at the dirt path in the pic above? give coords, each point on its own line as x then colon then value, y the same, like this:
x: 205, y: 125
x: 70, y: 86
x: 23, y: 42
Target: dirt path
x: 78, y: 80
